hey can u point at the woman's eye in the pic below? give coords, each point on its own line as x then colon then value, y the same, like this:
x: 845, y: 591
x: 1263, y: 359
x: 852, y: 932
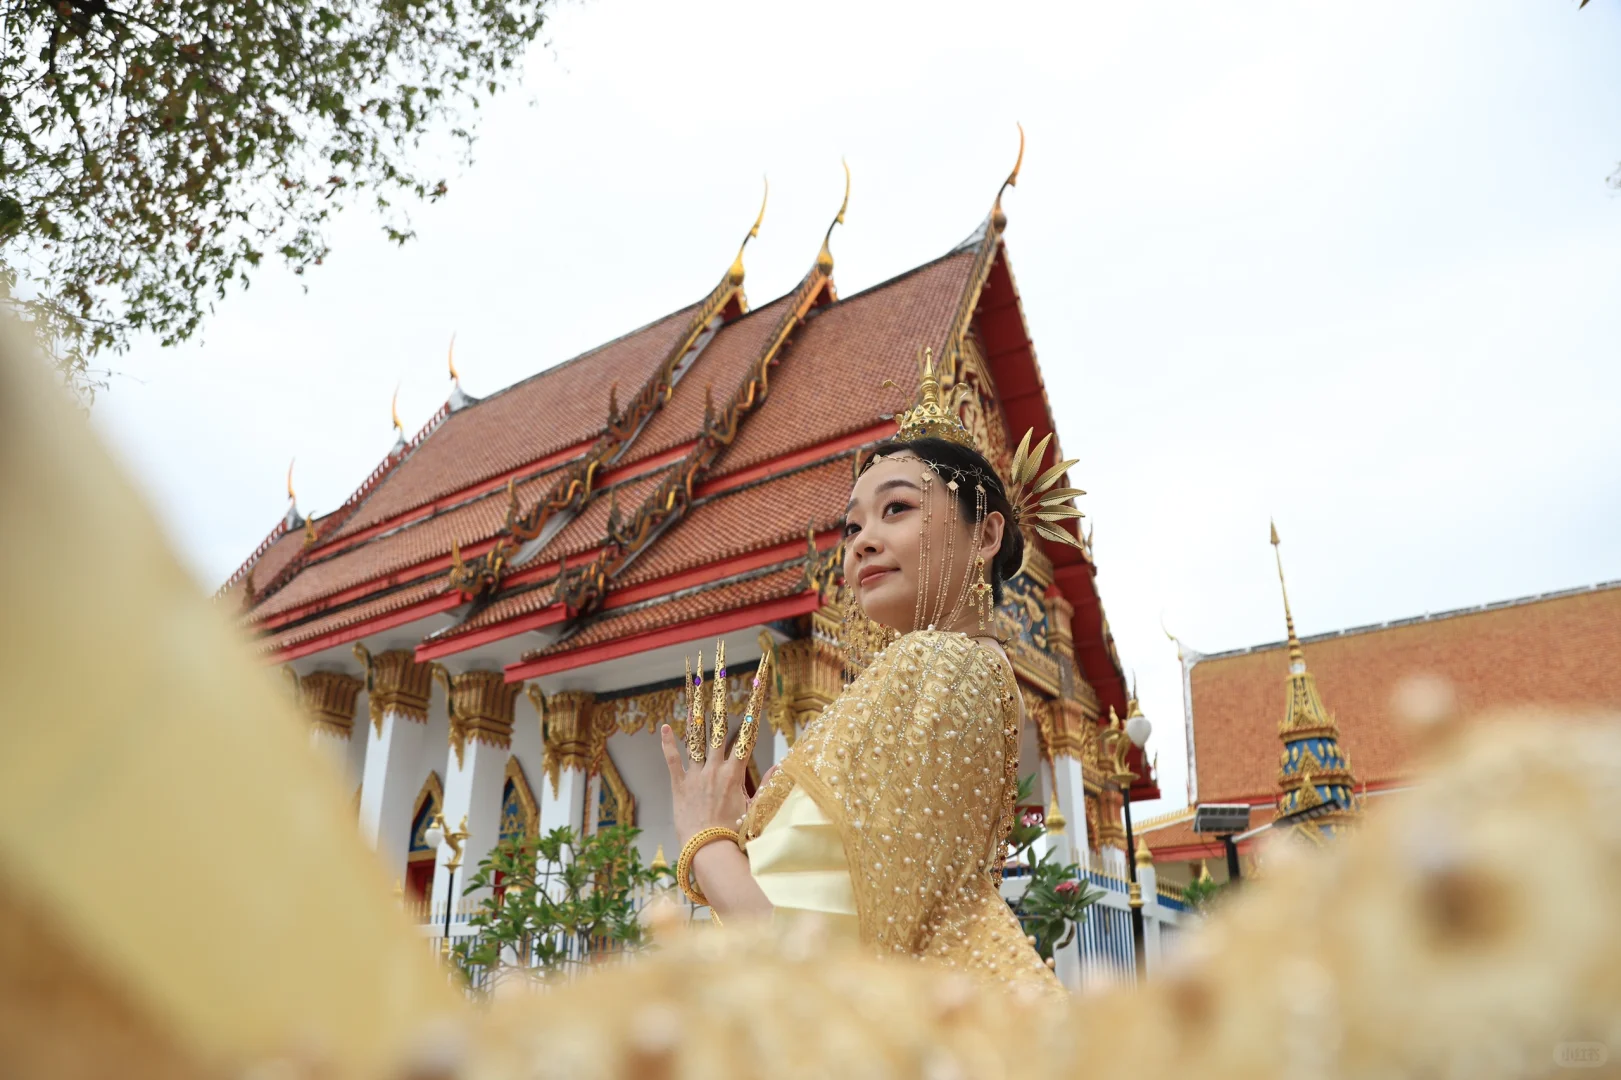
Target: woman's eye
x: 895, y: 508
x: 850, y: 529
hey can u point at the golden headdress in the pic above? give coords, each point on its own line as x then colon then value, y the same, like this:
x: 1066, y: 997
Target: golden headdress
x: 1033, y: 494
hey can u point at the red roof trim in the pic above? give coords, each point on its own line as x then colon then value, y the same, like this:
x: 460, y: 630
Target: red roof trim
x: 433, y: 605
x: 461, y: 495
x: 724, y: 623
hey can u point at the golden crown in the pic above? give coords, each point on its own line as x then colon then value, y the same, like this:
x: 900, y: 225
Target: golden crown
x: 934, y: 417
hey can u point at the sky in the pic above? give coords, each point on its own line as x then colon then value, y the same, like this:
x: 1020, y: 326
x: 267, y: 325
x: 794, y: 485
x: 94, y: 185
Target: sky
x: 1351, y: 267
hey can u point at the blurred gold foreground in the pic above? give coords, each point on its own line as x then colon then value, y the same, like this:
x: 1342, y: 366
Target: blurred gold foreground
x: 183, y: 891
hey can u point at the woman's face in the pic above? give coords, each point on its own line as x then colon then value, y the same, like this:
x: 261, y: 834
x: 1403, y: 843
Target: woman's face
x: 883, y: 538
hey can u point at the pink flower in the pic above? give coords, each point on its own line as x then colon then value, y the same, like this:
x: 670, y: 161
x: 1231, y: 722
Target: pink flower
x: 1064, y: 888
x: 1030, y: 820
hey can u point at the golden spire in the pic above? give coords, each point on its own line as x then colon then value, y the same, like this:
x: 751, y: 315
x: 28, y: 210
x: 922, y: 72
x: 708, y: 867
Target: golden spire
x: 394, y: 410
x: 824, y: 258
x: 659, y: 862
x: 998, y: 216
x: 1143, y: 856
x: 1055, y: 820
x: 931, y: 417
x: 735, y: 274
x: 451, y: 359
x: 1297, y: 657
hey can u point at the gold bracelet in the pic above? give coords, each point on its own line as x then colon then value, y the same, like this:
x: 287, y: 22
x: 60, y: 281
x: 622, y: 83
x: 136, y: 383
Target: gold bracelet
x: 683, y: 865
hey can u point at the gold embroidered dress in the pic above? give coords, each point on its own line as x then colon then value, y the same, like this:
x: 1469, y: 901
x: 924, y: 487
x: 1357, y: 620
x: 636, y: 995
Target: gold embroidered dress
x: 915, y: 768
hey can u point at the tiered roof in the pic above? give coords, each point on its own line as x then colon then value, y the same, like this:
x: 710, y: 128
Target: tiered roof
x: 658, y: 488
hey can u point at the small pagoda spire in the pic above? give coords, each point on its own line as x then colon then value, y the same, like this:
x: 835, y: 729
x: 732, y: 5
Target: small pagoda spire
x: 735, y: 274
x: 1297, y: 656
x: 824, y: 258
x: 1313, y: 769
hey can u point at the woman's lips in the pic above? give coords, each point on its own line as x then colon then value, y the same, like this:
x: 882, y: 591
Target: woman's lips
x: 872, y: 573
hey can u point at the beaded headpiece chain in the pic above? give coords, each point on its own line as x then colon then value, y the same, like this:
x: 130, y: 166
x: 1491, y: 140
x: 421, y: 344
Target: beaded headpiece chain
x: 1036, y: 499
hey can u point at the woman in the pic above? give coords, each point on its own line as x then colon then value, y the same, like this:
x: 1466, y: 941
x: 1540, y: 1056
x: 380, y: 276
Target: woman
x: 890, y: 814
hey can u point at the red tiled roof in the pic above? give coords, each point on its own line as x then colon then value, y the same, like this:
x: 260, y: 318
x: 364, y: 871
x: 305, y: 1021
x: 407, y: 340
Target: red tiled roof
x: 558, y: 408
x: 830, y: 381
x: 349, y: 616
x: 722, y: 365
x: 1563, y: 649
x: 282, y: 550
x: 737, y: 522
x: 657, y: 614
x: 412, y: 544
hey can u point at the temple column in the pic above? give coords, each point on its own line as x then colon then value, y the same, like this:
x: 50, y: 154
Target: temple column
x: 565, y: 731
x: 329, y: 699
x: 480, y: 706
x: 397, y: 690
x: 1069, y: 731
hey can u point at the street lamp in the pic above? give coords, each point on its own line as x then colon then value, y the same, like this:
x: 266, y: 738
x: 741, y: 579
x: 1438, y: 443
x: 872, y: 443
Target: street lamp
x: 1226, y: 820
x: 1117, y: 743
x: 435, y: 835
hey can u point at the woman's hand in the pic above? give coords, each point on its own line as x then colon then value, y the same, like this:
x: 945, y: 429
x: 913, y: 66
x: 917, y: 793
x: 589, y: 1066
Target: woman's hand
x: 704, y: 794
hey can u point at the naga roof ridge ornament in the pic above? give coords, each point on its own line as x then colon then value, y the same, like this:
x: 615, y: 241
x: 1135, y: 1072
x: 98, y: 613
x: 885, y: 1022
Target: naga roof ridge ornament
x: 581, y: 593
x: 293, y: 520
x: 525, y: 536
x: 998, y: 215
x: 399, y: 428
x: 459, y: 398
x: 824, y: 258
x: 735, y: 274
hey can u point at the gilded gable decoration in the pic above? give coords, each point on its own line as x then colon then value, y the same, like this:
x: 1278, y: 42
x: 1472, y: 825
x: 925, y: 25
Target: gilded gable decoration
x: 520, y: 814
x: 430, y: 801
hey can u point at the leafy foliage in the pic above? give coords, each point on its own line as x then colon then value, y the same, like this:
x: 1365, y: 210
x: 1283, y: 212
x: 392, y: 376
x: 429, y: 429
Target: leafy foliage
x: 1201, y: 891
x: 1058, y: 895
x: 563, y: 897
x: 153, y: 153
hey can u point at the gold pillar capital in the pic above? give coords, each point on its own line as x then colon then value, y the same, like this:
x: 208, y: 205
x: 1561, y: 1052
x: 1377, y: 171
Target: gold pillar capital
x: 480, y: 704
x: 329, y: 698
x: 565, y: 730
x: 395, y: 682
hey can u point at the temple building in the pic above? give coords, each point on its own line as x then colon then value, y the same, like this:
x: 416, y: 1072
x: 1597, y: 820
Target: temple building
x: 1259, y: 731
x: 493, y: 625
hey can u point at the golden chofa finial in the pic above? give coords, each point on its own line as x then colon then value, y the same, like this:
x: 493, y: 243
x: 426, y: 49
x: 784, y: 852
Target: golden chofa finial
x: 998, y: 217
x: 1297, y: 657
x: 451, y: 360
x: 735, y: 274
x: 292, y: 497
x: 394, y: 411
x: 824, y: 258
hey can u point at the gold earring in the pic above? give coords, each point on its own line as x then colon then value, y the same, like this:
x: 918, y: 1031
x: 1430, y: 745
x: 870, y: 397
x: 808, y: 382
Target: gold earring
x: 980, y: 586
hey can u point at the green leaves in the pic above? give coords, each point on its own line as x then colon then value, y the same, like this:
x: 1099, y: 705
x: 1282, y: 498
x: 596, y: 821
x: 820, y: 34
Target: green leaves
x: 562, y: 896
x: 146, y: 148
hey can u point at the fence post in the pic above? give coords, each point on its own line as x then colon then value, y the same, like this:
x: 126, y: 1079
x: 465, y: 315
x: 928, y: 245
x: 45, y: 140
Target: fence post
x: 1148, y: 879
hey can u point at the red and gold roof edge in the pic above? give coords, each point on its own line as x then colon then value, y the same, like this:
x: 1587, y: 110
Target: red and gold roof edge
x: 334, y: 521
x: 584, y: 588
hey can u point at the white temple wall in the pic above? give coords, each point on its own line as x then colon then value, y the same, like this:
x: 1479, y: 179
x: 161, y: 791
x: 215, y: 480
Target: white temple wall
x: 395, y: 769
